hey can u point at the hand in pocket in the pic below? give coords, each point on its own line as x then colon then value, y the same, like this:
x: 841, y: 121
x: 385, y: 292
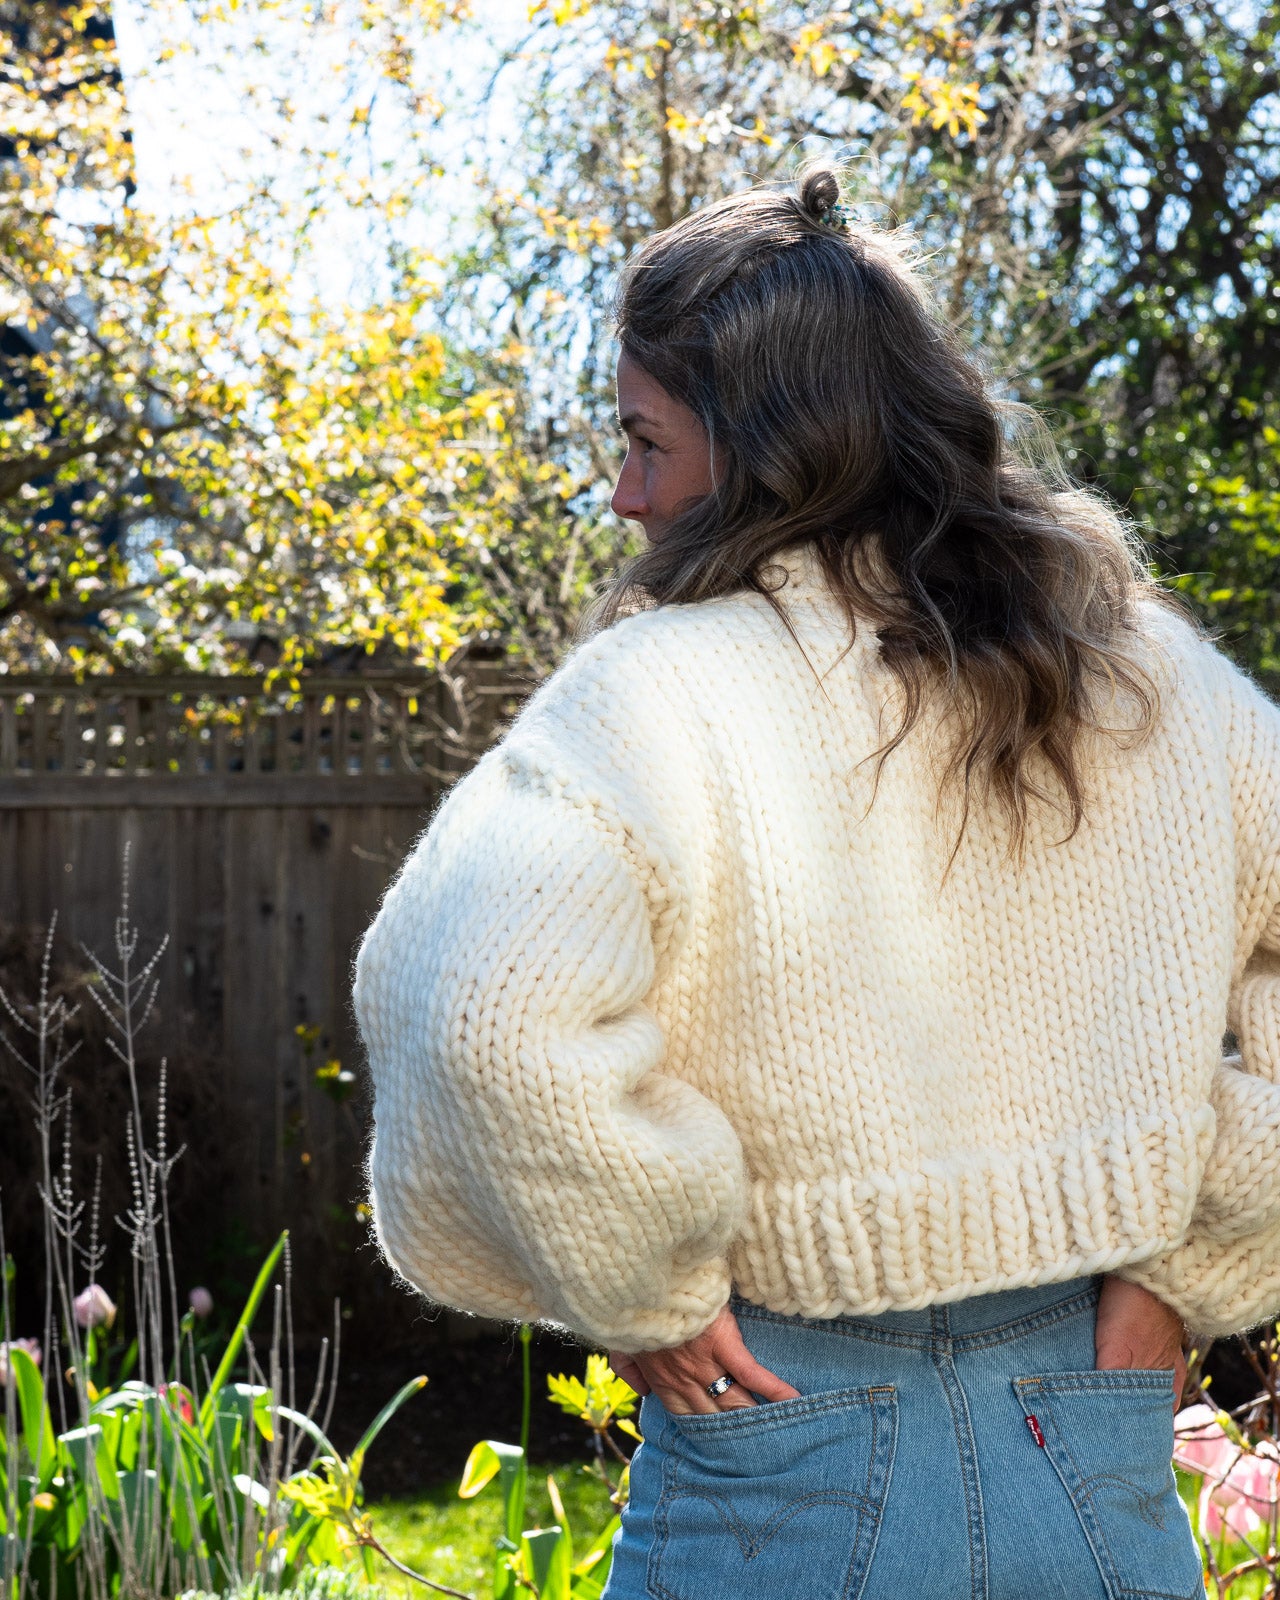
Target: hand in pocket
x: 1137, y: 1330
x: 680, y: 1376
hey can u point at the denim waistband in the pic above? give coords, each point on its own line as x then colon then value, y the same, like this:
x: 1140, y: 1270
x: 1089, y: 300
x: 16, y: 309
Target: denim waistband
x: 985, y: 1317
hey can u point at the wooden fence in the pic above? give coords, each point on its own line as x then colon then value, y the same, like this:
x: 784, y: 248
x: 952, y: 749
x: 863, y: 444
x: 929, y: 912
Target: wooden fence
x: 263, y: 826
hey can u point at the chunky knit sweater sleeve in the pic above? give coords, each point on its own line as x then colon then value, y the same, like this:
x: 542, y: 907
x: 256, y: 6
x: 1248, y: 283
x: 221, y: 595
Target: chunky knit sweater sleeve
x: 1225, y: 1274
x: 531, y: 1158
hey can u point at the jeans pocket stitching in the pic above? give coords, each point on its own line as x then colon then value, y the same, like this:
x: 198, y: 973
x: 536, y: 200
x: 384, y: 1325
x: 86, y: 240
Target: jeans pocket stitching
x: 752, y: 1543
x: 881, y: 1405
x: 1123, y: 1378
x: 1144, y: 1502
x: 1082, y: 1303
x: 773, y: 1414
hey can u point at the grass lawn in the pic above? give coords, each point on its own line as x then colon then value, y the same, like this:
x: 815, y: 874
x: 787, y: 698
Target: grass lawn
x: 452, y: 1540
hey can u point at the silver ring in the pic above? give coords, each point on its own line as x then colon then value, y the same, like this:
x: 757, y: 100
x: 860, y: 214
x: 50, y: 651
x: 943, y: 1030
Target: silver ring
x: 716, y: 1389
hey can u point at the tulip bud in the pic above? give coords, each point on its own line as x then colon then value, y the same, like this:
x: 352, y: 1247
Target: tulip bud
x: 94, y: 1307
x: 31, y: 1346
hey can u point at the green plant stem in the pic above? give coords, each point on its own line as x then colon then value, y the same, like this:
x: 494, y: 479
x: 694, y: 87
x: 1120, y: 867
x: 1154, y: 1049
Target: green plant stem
x: 526, y: 1337
x: 374, y: 1543
x: 237, y: 1338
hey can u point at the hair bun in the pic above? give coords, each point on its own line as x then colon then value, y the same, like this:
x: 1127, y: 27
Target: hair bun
x: 819, y: 193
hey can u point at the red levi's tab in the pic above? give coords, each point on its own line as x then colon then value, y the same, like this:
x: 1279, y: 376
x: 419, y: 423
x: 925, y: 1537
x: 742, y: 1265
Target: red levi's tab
x: 1034, y: 1425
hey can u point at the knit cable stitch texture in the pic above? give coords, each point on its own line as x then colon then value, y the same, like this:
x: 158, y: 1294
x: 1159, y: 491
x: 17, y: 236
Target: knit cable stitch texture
x: 666, y: 999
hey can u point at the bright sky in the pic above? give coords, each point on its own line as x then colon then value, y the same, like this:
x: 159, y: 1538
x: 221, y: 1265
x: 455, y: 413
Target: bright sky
x: 208, y: 120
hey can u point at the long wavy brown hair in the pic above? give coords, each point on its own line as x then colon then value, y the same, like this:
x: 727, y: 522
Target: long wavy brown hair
x: 842, y: 413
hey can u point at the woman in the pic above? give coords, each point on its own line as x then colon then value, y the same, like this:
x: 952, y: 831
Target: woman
x: 818, y: 996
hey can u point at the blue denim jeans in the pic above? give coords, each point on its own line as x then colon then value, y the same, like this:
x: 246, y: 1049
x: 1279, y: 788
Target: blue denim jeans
x: 964, y: 1452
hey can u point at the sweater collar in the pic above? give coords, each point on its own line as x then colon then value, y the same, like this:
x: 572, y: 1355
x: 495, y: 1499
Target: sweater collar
x: 803, y: 577
x: 798, y: 573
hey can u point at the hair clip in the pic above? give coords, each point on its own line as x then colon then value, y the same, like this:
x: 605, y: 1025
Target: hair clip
x: 837, y: 216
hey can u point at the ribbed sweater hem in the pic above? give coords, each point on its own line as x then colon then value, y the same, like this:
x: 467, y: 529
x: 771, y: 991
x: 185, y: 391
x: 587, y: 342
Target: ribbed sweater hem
x: 837, y: 1245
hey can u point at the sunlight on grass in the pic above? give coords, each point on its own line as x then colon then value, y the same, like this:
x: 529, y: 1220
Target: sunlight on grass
x: 452, y: 1540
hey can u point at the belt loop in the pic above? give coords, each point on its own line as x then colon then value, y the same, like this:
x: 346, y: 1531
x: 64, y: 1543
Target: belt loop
x: 940, y: 1323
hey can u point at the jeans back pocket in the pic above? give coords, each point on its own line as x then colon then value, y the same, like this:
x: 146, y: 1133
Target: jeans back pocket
x: 780, y: 1498
x: 1109, y: 1437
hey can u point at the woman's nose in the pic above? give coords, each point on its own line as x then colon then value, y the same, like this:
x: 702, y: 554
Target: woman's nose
x: 628, y: 494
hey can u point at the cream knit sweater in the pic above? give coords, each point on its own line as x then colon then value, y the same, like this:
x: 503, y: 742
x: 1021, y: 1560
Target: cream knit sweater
x: 664, y: 1000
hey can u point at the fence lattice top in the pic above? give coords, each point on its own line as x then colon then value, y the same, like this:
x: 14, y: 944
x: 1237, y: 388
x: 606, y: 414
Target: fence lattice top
x: 410, y: 723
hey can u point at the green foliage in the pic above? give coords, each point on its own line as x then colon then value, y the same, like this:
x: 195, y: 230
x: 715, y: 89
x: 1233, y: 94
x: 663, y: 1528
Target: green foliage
x: 541, y: 1561
x: 196, y: 449
x: 545, y: 1561
x: 328, y: 1493
x: 1242, y: 592
x: 324, y: 1583
x: 177, y: 1479
x: 538, y: 1560
x: 453, y: 1540
x: 155, y: 1484
x: 603, y: 1401
x: 1164, y: 244
x: 235, y: 1343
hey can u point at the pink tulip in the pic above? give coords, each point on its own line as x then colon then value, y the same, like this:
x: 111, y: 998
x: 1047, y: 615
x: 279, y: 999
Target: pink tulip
x: 31, y: 1346
x: 94, y: 1307
x: 1199, y: 1443
x: 201, y: 1302
x: 1243, y: 1501
x: 1240, y: 1486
